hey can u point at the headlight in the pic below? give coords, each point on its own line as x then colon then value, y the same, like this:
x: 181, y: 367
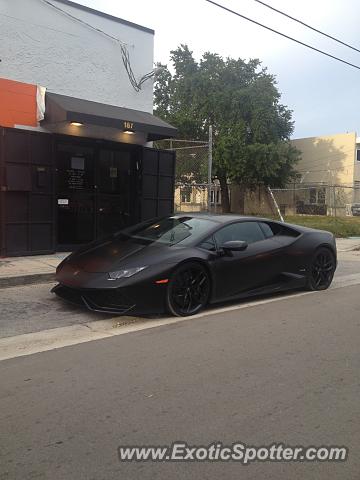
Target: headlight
x: 125, y: 273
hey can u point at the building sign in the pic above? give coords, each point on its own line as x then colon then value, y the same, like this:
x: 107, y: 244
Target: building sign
x: 76, y: 179
x: 128, y: 125
x: 63, y: 203
x: 76, y: 174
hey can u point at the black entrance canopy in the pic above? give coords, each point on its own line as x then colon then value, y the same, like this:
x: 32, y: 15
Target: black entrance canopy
x: 61, y: 108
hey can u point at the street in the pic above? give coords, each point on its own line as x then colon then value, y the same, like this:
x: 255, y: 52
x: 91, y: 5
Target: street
x: 285, y: 371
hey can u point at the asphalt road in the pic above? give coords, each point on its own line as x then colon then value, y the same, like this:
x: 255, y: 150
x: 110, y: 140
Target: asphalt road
x: 286, y: 371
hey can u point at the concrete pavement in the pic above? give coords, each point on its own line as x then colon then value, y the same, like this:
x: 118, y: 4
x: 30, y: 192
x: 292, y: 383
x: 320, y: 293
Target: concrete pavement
x: 28, y: 270
x: 348, y: 244
x: 284, y: 371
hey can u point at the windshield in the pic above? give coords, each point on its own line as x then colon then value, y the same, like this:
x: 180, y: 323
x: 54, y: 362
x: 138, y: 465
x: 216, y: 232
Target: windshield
x: 170, y: 230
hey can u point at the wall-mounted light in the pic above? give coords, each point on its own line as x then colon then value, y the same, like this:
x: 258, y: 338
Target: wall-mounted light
x: 76, y: 124
x: 129, y: 127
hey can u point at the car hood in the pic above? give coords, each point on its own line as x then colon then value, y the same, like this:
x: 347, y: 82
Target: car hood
x: 118, y: 253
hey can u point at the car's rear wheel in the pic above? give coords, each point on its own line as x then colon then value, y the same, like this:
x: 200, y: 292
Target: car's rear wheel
x: 321, y: 270
x: 188, y: 290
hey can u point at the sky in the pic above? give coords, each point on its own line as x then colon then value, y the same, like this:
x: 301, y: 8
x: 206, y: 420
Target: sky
x: 322, y: 93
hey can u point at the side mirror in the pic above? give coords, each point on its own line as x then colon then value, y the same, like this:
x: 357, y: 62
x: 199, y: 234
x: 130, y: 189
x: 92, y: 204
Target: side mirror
x: 234, y: 246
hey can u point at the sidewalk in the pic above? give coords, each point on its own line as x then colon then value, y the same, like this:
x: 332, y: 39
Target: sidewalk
x: 347, y: 244
x: 31, y: 269
x: 41, y: 268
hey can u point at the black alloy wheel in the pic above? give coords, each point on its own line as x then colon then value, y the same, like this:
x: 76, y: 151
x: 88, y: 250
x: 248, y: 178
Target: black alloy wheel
x: 188, y: 290
x: 321, y: 270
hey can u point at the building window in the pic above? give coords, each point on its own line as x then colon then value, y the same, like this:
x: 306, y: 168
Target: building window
x: 215, y: 194
x: 186, y: 196
x: 358, y: 154
x: 322, y: 196
x: 312, y: 195
x: 317, y: 196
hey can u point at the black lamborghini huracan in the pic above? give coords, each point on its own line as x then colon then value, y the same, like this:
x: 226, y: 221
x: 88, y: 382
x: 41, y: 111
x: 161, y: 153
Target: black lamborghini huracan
x: 181, y: 263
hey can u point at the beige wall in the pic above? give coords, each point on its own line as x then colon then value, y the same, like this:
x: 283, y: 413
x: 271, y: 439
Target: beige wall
x: 357, y: 164
x: 327, y: 159
x: 257, y: 202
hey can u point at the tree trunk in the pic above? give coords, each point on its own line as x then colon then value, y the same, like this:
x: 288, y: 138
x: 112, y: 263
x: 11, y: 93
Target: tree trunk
x: 240, y: 207
x: 225, y: 199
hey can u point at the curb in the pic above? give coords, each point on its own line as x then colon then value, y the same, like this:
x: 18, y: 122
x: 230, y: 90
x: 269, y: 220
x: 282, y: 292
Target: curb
x: 20, y: 280
x: 55, y: 338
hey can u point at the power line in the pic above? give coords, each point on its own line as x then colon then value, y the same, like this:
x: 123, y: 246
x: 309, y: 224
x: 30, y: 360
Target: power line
x: 307, y: 25
x: 282, y: 34
x: 123, y: 48
x: 79, y: 20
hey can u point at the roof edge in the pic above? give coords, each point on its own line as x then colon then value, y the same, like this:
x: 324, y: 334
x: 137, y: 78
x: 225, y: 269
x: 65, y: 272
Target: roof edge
x: 324, y: 136
x: 105, y: 15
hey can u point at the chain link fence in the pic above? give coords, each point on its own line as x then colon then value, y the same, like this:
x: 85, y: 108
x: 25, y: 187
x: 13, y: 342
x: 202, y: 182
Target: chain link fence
x: 315, y: 199
x: 194, y: 193
x: 191, y: 177
x: 298, y: 199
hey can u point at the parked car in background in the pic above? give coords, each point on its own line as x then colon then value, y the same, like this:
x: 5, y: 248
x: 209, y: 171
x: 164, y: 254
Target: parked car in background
x: 355, y: 209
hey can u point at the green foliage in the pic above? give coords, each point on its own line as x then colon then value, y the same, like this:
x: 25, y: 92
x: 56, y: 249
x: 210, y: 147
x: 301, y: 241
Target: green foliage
x: 339, y: 226
x: 241, y: 101
x: 258, y: 163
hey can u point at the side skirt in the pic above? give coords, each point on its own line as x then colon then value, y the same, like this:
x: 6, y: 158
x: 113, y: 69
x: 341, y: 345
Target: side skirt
x: 285, y: 281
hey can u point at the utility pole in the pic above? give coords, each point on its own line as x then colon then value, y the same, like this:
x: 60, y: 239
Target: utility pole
x: 210, y: 168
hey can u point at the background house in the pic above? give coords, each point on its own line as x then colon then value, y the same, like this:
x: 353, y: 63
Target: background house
x: 330, y: 165
x: 328, y: 183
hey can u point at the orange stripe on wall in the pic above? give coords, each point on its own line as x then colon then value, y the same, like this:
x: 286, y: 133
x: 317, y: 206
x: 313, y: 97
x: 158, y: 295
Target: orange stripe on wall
x: 17, y: 103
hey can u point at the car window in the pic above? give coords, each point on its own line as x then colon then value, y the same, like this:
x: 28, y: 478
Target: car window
x: 249, y: 232
x: 266, y: 228
x: 271, y: 229
x: 174, y: 230
x: 208, y: 244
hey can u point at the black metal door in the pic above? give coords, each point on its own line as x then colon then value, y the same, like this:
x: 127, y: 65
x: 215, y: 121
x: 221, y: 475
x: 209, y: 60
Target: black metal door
x: 27, y: 192
x: 114, y: 179
x: 96, y: 187
x: 75, y: 165
x: 157, y: 183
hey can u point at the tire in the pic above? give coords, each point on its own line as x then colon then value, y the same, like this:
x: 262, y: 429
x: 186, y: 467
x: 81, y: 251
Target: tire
x: 188, y: 291
x: 321, y: 270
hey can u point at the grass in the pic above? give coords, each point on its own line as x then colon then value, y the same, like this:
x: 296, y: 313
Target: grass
x: 339, y: 226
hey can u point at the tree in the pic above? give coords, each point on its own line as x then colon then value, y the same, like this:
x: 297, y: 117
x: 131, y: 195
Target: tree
x: 251, y: 129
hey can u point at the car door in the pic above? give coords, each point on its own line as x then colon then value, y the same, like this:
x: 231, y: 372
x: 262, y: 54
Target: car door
x: 238, y: 271
x: 291, y: 260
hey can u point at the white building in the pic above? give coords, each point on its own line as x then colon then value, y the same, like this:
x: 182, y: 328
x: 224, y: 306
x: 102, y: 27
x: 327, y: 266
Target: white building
x: 55, y: 43
x: 74, y: 163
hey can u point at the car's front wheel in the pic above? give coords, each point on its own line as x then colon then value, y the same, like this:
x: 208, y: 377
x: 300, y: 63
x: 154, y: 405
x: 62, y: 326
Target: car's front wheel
x: 321, y: 270
x: 188, y: 290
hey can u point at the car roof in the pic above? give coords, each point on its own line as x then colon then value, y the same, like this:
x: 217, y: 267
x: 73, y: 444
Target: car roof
x: 221, y: 218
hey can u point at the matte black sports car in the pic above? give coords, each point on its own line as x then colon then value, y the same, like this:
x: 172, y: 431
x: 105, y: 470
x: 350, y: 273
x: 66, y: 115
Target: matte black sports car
x: 181, y: 263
